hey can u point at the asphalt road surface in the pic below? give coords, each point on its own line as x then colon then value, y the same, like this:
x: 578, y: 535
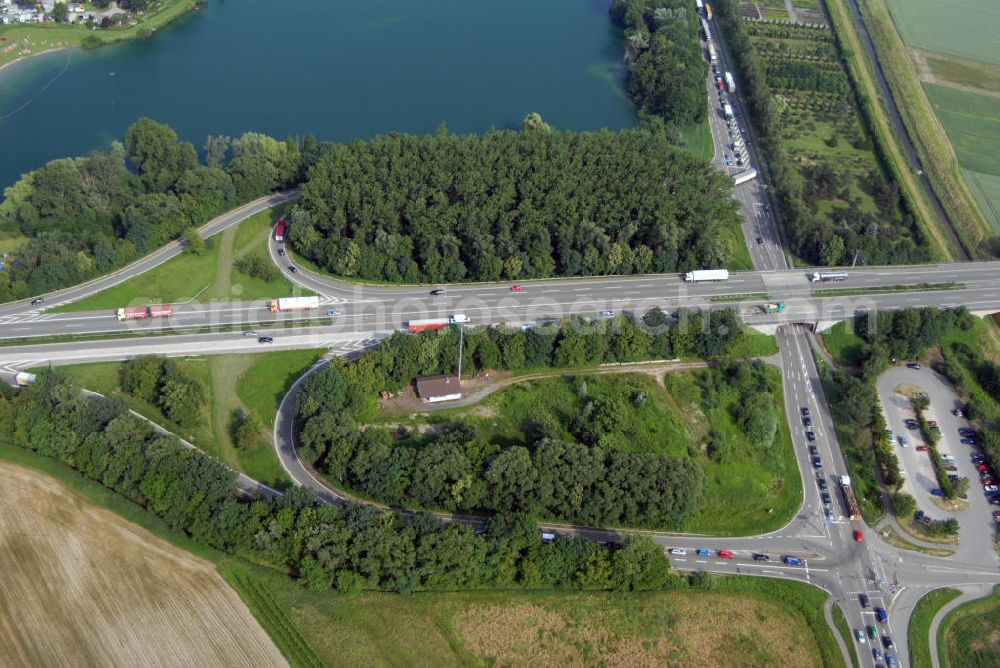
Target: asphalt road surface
x: 154, y: 259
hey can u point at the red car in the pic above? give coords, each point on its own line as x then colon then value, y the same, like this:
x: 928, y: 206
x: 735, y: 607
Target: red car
x: 516, y: 288
x: 996, y: 515
x: 921, y: 448
x: 858, y: 536
x: 725, y: 554
x: 982, y: 468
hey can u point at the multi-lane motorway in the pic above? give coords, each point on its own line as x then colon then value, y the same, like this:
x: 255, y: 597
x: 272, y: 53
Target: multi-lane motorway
x: 831, y: 555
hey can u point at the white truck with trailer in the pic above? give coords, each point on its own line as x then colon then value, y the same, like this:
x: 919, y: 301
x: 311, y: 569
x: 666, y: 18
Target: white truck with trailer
x: 702, y: 275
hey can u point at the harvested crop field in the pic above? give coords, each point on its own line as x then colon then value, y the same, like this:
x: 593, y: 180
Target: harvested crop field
x: 82, y: 586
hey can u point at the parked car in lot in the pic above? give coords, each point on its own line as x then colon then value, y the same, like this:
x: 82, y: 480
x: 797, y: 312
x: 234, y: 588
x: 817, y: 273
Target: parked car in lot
x: 921, y: 448
x: 881, y: 615
x: 977, y: 457
x: 877, y: 653
x: 991, y: 488
x: 863, y: 599
x: 872, y: 632
x: 902, y: 441
x: 890, y: 660
x: 887, y: 642
x: 859, y: 635
x: 996, y: 515
x: 918, y: 516
x: 968, y: 441
x: 947, y: 456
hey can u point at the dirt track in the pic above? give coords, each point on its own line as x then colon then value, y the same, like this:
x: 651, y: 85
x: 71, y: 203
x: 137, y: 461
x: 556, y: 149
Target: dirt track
x: 82, y: 587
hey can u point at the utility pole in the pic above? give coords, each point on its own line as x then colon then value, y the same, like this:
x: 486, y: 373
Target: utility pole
x: 461, y: 341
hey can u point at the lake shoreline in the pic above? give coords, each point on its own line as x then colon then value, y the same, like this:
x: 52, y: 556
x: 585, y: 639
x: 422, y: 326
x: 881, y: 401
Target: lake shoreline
x: 193, y: 5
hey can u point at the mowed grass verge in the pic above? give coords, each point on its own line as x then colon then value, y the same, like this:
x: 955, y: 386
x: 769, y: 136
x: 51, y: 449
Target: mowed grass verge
x: 969, y: 635
x: 234, y: 382
x: 920, y: 624
x: 768, y: 622
x: 205, y: 277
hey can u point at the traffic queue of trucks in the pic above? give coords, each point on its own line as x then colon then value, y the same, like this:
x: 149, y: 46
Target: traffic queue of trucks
x: 143, y: 312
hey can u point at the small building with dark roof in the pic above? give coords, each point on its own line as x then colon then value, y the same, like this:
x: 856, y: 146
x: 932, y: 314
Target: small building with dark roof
x: 445, y: 387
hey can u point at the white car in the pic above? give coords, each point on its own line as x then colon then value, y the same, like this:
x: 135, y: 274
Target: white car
x: 678, y: 551
x: 948, y: 457
x: 991, y: 488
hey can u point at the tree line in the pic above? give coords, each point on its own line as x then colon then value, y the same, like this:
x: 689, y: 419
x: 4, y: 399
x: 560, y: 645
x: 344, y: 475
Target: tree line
x: 324, y: 546
x: 586, y: 482
x: 889, y: 237
x: 88, y: 216
x: 666, y: 68
x: 511, y: 205
x: 159, y: 381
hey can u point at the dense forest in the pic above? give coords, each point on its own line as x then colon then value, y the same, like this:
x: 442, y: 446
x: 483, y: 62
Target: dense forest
x: 88, y: 216
x: 528, y: 204
x: 325, y: 546
x: 666, y: 74
x: 581, y: 482
x: 834, y: 212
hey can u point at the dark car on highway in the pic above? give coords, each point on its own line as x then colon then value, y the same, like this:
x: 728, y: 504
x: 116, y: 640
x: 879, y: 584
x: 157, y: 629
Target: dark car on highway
x: 805, y: 411
x: 292, y: 269
x: 817, y: 463
x: 810, y: 436
x: 825, y: 498
x: 265, y: 339
x: 281, y: 252
x: 761, y: 557
x: 36, y: 301
x: 437, y: 292
x: 807, y: 422
x: 821, y: 482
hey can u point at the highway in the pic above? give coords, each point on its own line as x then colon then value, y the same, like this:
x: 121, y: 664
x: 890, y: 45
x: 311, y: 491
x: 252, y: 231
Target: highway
x: 831, y: 556
x: 367, y: 310
x: 758, y: 216
x: 154, y: 259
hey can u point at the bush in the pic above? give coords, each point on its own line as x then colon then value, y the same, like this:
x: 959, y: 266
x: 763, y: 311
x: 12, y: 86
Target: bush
x: 257, y: 265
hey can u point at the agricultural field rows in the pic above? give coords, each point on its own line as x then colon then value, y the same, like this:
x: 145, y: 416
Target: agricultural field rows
x: 953, y: 52
x: 82, y: 586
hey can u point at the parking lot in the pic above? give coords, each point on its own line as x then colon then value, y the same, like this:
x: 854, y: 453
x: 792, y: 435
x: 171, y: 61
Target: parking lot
x: 919, y: 480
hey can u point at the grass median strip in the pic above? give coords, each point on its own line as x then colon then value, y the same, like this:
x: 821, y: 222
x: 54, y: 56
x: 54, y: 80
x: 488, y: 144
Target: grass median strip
x: 917, y: 287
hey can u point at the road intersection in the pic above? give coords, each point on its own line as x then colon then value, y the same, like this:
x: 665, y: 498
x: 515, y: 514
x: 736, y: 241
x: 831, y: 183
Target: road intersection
x: 831, y: 556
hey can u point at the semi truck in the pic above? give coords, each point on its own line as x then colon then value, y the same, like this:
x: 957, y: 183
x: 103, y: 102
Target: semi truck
x: 711, y: 52
x: 436, y: 323
x: 708, y: 11
x: 143, y: 312
x: 23, y: 378
x: 706, y: 275
x: 705, y: 30
x: 730, y: 82
x: 827, y: 276
x: 743, y: 177
x: 279, y: 230
x: 773, y: 307
x: 283, y: 304
x: 699, y: 4
x: 853, y: 510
